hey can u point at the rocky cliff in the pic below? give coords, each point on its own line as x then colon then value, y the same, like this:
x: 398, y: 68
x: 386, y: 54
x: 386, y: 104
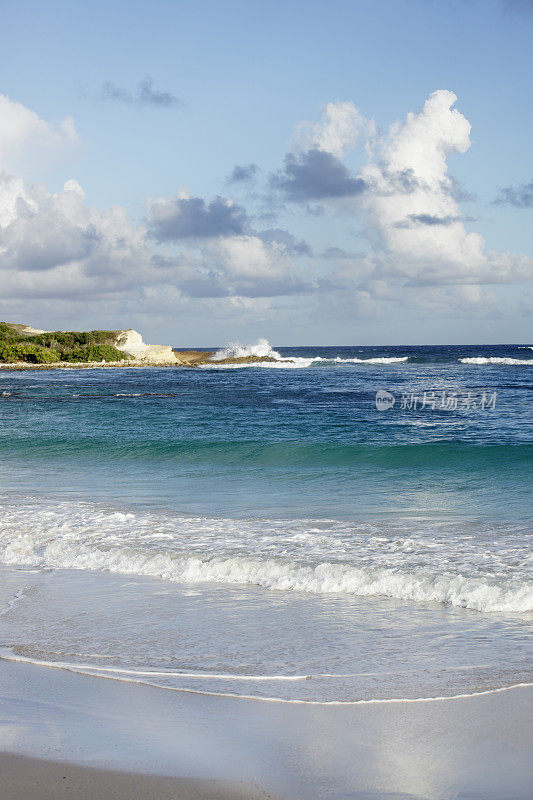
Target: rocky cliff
x: 131, y: 343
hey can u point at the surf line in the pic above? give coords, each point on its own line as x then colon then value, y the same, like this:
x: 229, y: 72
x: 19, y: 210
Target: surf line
x: 94, y: 672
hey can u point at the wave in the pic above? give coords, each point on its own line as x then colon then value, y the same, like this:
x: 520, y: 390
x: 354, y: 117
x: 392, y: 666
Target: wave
x: 497, y: 360
x: 132, y: 394
x: 377, y: 360
x: 289, y: 454
x: 324, y: 578
x: 263, y: 349
x: 282, y: 363
x: 333, y: 558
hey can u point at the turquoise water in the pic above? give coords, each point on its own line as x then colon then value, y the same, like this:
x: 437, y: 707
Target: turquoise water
x: 283, y: 490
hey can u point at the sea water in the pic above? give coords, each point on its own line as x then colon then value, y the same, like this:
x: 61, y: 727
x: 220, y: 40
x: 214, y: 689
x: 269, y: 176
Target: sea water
x: 267, y: 530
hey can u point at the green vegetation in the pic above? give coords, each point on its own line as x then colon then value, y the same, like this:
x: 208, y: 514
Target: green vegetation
x: 94, y: 352
x: 48, y: 348
x: 27, y: 352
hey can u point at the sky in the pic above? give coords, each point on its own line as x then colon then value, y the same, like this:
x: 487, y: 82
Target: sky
x: 358, y: 172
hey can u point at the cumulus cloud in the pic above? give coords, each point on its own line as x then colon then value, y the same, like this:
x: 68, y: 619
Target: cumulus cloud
x: 252, y: 267
x: 410, y: 205
x: 144, y: 94
x: 297, y: 247
x: 21, y: 130
x: 194, y: 218
x: 337, y: 132
x: 237, y: 266
x: 54, y: 244
x: 518, y: 196
x: 315, y: 170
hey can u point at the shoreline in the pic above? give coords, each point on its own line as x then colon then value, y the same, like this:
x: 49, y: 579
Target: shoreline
x: 132, y: 677
x: 23, y: 367
x: 477, y: 746
x: 188, y: 359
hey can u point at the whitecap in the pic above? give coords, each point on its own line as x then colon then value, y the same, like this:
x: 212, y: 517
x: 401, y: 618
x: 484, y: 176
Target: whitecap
x: 497, y: 360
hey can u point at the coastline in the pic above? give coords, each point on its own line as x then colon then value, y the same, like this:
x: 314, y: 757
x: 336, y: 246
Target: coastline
x: 24, y: 367
x: 183, y: 358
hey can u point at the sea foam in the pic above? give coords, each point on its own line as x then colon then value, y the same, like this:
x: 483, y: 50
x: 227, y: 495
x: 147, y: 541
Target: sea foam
x: 302, y: 556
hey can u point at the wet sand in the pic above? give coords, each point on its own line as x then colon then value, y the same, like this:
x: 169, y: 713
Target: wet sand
x: 477, y: 747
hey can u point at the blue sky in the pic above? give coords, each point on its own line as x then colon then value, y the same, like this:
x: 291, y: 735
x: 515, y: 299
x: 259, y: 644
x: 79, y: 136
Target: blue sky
x: 226, y: 84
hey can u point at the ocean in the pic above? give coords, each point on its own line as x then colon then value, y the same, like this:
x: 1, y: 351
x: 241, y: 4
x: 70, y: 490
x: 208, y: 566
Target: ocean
x: 342, y: 525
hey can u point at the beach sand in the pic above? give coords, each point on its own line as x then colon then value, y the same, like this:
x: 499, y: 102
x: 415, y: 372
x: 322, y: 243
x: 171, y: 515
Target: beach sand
x: 475, y: 747
x: 35, y: 779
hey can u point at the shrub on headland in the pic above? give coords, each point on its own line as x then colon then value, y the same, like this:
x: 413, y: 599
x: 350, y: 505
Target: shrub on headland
x: 31, y: 353
x: 47, y: 348
x: 94, y: 352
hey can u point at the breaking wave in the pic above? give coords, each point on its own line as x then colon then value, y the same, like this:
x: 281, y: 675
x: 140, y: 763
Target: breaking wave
x: 324, y: 578
x: 497, y: 360
x: 263, y: 349
x: 303, y: 556
x: 377, y: 360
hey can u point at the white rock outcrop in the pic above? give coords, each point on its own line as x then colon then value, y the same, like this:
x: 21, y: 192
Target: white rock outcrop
x: 30, y: 331
x: 131, y: 342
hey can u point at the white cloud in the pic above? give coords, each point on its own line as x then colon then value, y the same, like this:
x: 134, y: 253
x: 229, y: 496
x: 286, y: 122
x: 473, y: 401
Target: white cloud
x: 22, y: 130
x: 55, y: 243
x: 253, y: 267
x: 337, y: 132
